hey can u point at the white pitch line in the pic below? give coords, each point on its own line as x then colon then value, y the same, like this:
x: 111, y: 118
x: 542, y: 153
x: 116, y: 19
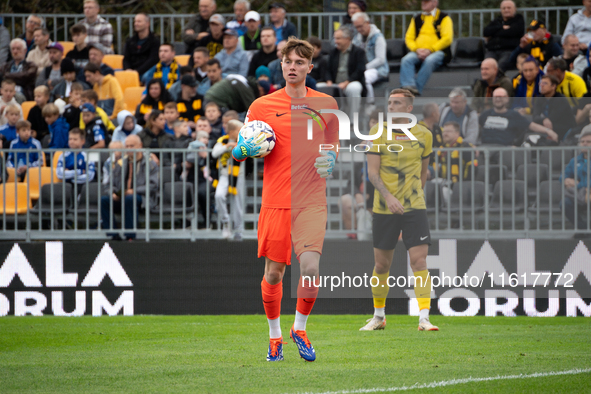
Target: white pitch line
x: 454, y: 382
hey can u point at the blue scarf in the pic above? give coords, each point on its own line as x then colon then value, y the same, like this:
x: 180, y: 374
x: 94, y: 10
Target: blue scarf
x: 521, y: 91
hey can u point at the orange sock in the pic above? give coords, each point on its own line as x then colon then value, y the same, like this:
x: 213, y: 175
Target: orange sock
x: 272, y: 295
x: 306, y: 297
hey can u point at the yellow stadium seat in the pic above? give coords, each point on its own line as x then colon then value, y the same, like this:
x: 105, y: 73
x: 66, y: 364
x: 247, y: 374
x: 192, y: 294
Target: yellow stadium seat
x: 9, y: 203
x: 68, y: 46
x: 26, y: 106
x: 11, y: 175
x: 182, y: 60
x: 132, y: 97
x: 127, y: 79
x: 56, y: 157
x: 37, y: 177
x: 114, y: 61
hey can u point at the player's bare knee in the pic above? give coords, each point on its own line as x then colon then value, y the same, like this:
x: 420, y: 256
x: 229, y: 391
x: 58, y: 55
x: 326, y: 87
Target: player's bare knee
x: 273, y: 276
x: 418, y: 264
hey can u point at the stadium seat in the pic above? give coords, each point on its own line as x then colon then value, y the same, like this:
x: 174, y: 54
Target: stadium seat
x: 433, y: 196
x: 496, y: 172
x: 549, y: 197
x: 61, y: 193
x: 180, y: 48
x: 90, y: 196
x: 14, y: 199
x: 508, y: 199
x: 326, y: 47
x: 132, y: 97
x: 68, y: 46
x: 166, y: 175
x: 127, y: 79
x: 396, y: 49
x: 468, y: 191
x: 11, y: 175
x: 182, y: 60
x: 554, y: 159
x: 333, y: 90
x: 467, y: 52
x: 37, y: 177
x: 54, y: 160
x: 114, y: 61
x: 532, y: 174
x: 172, y: 198
x: 26, y: 106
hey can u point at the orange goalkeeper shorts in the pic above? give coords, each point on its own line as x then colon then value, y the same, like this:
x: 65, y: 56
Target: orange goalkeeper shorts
x: 279, y: 228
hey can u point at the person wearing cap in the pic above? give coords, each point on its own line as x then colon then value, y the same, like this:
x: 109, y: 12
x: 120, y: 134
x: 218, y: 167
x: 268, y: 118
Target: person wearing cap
x: 96, y: 131
x: 110, y: 96
x: 167, y: 69
x: 428, y: 39
x: 579, y: 24
x: 251, y: 39
x: 267, y: 53
x: 198, y: 26
x: 96, y: 54
x: 241, y: 8
x: 98, y: 29
x: 141, y: 49
x: 538, y: 42
x: 39, y: 55
x: 502, y: 34
x: 190, y: 103
x: 283, y: 28
x: 52, y: 74
x: 69, y: 75
x: 4, y: 42
x: 233, y: 58
x: 214, y: 40
x: 23, y: 73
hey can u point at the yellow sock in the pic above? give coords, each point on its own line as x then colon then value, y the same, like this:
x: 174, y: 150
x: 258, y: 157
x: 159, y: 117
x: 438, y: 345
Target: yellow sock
x: 423, y: 289
x: 380, y: 292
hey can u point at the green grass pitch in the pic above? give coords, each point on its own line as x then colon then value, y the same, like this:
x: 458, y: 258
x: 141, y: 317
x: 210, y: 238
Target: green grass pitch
x: 226, y: 354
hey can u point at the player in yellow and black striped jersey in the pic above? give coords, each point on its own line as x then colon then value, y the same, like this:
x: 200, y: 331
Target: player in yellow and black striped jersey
x: 398, y: 168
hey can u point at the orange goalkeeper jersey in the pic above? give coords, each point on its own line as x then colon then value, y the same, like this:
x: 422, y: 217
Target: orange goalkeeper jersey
x: 290, y: 179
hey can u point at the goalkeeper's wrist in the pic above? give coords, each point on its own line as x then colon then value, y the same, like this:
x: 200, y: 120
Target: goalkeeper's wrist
x: 239, y: 153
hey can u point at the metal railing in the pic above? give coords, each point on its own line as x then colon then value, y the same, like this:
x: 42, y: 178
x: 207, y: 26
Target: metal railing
x: 511, y: 192
x: 467, y: 23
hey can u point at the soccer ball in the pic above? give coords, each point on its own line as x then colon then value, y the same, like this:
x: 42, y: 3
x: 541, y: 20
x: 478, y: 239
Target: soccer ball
x: 263, y: 135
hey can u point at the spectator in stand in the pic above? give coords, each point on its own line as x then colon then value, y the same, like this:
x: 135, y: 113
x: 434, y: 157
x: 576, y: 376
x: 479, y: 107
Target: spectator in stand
x: 198, y: 26
x: 127, y: 126
x: 98, y: 29
x: 4, y: 42
x: 502, y: 126
x: 33, y: 22
x: 153, y: 136
x: 80, y: 53
x: 228, y: 116
x: 156, y: 98
x: 346, y: 69
x: 431, y: 116
x: 214, y: 75
x: 52, y: 74
x: 200, y: 59
x: 141, y: 49
x: 570, y: 85
x: 58, y: 127
x: 241, y: 8
x: 579, y: 24
x: 527, y: 85
x: 12, y: 114
x: 38, y: 125
x: 175, y: 89
x: 502, y: 35
x: 372, y: 41
x: 519, y: 66
x: 75, y: 167
x: 458, y: 110
x: 491, y: 78
x: 353, y: 7
x: 114, y: 157
x: 91, y: 97
x: 96, y: 132
x: 577, y: 188
x: 450, y: 162
x: 181, y: 140
x: 552, y: 110
x: 318, y: 60
x: 7, y: 92
x: 171, y: 115
x: 266, y: 54
x: 233, y: 58
x: 214, y: 40
x: 538, y: 42
x: 197, y: 159
x: 23, y: 73
x: 21, y: 161
x: 63, y: 89
x: 39, y: 55
x: 110, y: 96
x: 130, y: 185
x: 213, y: 114
x: 283, y: 28
x: 96, y: 54
x: 234, y: 93
x: 251, y: 39
x: 575, y: 61
x: 167, y: 69
x: 72, y: 112
x: 428, y: 39
x: 190, y: 103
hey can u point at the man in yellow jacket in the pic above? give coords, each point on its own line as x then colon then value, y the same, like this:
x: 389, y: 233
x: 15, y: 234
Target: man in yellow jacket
x: 570, y: 85
x: 428, y: 39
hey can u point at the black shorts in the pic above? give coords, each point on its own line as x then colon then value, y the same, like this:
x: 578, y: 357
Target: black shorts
x: 414, y: 226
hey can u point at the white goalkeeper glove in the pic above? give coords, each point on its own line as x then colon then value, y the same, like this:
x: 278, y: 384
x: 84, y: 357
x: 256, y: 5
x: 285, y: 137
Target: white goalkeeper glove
x: 325, y: 163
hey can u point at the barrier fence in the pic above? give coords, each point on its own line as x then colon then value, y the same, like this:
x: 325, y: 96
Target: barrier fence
x: 467, y: 23
x: 503, y: 193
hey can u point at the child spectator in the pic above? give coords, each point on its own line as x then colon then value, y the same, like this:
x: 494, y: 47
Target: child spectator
x: 74, y: 167
x: 228, y: 116
x: 79, y: 54
x: 214, y: 115
x: 519, y: 65
x: 189, y: 102
x: 127, y: 126
x: 72, y: 109
x: 8, y: 131
x: 198, y: 159
x: 64, y: 88
x: 156, y: 98
x: 181, y: 141
x: 58, y: 127
x: 7, y: 92
x: 109, y: 165
x: 171, y: 114
x: 38, y: 125
x: 91, y: 97
x: 153, y: 135
x: 95, y: 129
x: 21, y: 160
x: 228, y: 181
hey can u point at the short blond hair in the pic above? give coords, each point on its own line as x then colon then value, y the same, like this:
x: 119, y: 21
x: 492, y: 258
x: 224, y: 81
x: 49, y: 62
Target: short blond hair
x: 42, y: 89
x: 410, y: 98
x: 234, y: 124
x: 301, y: 47
x: 50, y: 110
x: 13, y: 109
